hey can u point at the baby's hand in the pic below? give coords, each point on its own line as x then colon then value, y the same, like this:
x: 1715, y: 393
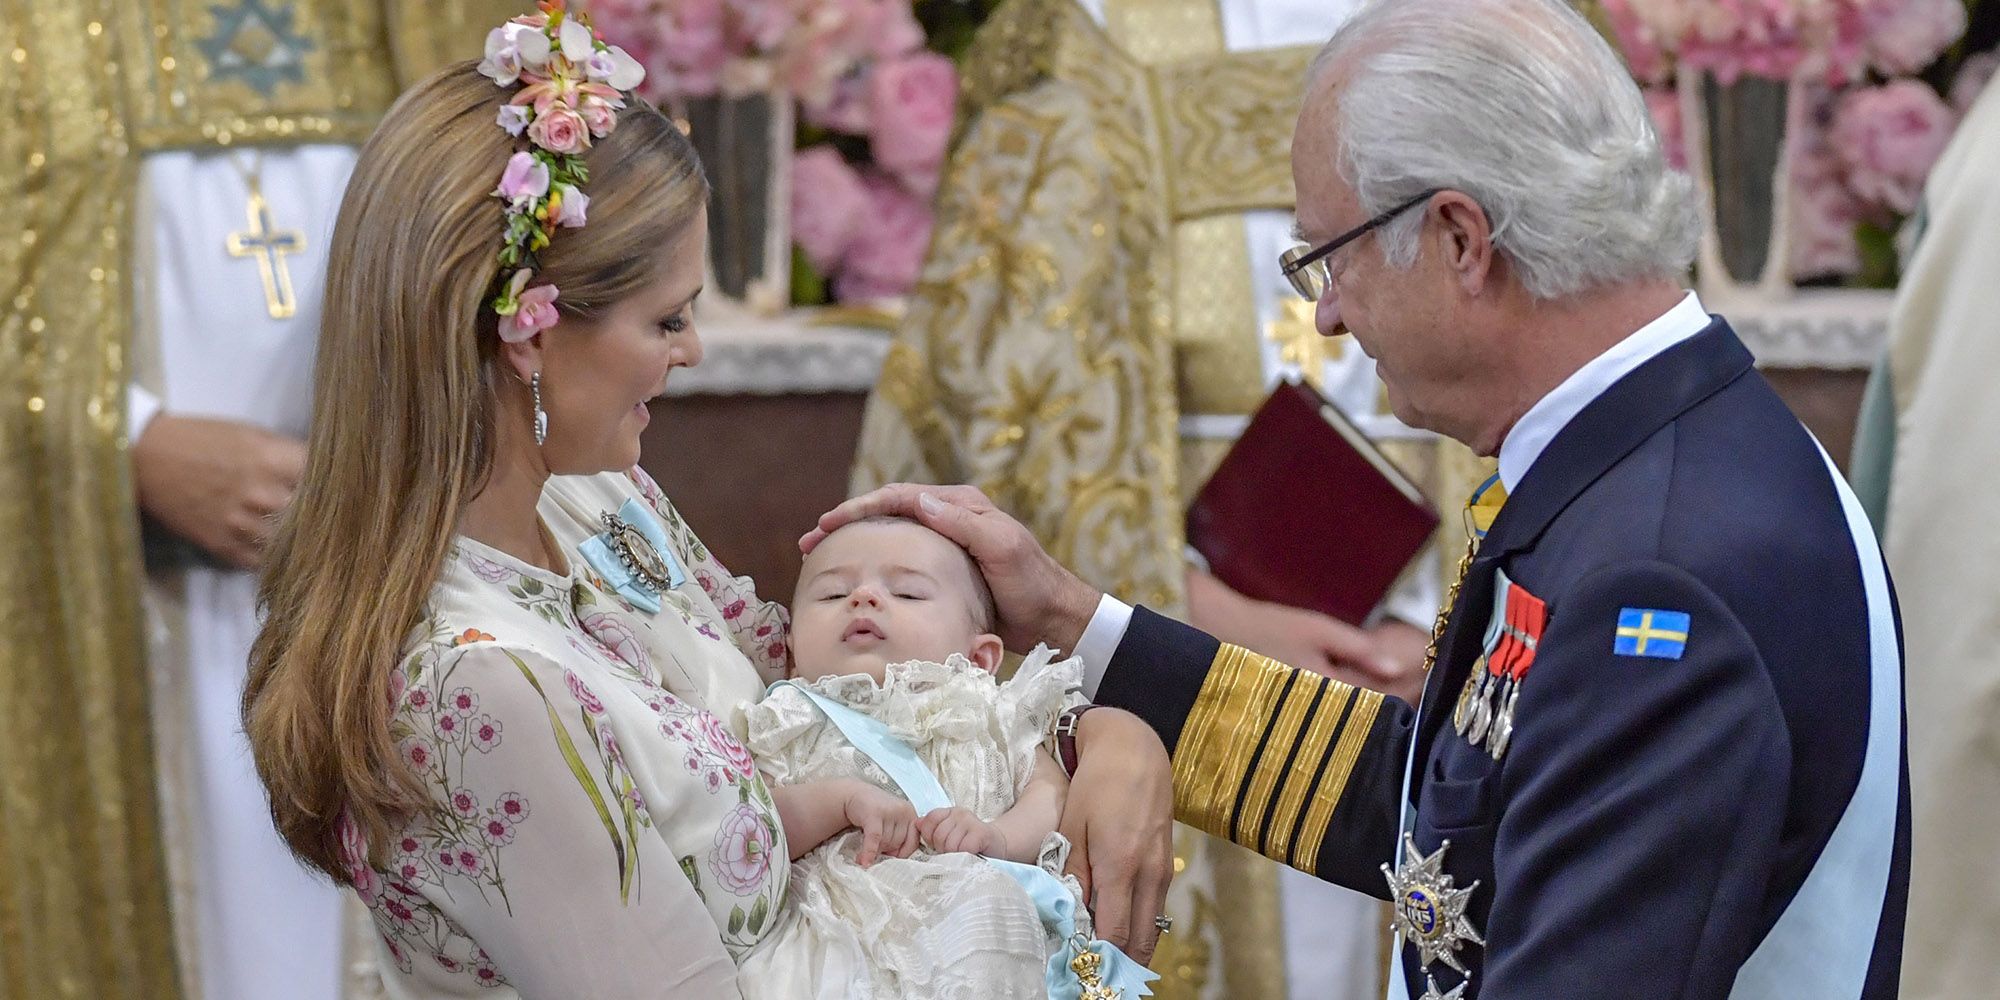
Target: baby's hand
x: 888, y: 824
x: 956, y: 828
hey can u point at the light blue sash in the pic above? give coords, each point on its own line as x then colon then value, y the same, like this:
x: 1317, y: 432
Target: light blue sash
x: 597, y: 551
x: 1051, y: 897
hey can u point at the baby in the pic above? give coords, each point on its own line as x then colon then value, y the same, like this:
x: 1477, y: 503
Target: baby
x: 894, y: 621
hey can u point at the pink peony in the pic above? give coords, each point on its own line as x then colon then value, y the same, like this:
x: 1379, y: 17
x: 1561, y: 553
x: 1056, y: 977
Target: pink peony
x: 1904, y: 36
x: 599, y: 115
x: 847, y: 110
x: 1973, y: 76
x: 888, y: 253
x: 582, y: 693
x: 911, y: 101
x: 559, y: 130
x: 742, y: 854
x: 1664, y: 104
x: 1823, y: 215
x: 828, y: 206
x: 1887, y: 137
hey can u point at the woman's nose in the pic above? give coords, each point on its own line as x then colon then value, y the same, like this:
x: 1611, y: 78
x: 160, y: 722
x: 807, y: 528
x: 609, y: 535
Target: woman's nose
x: 688, y: 349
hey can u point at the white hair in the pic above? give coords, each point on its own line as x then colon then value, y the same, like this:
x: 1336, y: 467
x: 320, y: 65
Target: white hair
x: 1521, y: 105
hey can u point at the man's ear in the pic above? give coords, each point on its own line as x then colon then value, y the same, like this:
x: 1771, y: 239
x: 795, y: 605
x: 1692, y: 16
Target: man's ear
x: 1465, y: 237
x: 986, y: 651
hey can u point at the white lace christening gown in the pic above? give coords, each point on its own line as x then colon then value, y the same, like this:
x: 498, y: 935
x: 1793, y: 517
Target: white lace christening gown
x: 933, y: 926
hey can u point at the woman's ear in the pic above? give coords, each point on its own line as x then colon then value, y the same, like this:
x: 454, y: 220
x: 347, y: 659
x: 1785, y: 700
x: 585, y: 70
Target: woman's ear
x: 986, y: 651
x: 524, y: 358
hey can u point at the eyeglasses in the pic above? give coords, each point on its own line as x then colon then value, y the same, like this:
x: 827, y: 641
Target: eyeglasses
x: 1310, y: 269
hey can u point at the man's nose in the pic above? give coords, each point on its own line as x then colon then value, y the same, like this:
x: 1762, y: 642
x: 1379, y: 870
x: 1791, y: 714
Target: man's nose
x: 1326, y: 315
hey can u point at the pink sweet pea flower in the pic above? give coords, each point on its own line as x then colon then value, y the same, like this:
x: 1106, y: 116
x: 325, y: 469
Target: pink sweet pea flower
x: 525, y: 179
x: 532, y: 309
x: 514, y: 118
x: 572, y: 206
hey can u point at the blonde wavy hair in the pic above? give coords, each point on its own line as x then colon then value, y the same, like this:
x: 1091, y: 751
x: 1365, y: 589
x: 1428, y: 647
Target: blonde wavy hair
x: 402, y: 436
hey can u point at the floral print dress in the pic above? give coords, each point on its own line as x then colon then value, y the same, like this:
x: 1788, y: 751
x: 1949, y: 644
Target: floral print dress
x: 596, y: 827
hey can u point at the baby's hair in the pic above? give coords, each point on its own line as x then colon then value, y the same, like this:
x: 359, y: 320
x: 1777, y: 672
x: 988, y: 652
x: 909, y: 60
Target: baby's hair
x: 985, y: 614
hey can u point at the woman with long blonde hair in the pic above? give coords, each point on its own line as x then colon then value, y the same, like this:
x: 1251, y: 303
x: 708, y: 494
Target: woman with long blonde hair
x: 499, y: 685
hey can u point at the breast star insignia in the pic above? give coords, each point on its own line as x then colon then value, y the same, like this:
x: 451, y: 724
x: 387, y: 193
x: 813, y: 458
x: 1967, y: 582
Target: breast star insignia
x: 1432, y: 993
x: 1428, y: 910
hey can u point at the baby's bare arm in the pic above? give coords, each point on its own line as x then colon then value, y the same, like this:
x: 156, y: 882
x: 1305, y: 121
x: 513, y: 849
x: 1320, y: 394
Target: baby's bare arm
x: 1035, y: 814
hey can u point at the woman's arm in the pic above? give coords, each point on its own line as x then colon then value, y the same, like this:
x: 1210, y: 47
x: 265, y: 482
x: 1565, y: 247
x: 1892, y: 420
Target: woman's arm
x: 536, y: 862
x: 814, y: 811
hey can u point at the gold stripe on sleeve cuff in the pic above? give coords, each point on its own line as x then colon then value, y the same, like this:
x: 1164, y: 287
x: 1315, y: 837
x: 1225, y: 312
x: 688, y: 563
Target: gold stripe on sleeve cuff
x: 1259, y: 734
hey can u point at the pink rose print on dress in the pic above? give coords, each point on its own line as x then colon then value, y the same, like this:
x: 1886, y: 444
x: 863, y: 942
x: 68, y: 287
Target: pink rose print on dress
x: 734, y: 609
x: 742, y: 855
x: 707, y: 582
x: 725, y: 746
x: 485, y: 733
x: 488, y: 570
x: 512, y: 807
x: 618, y: 639
x: 582, y: 693
x: 354, y: 855
x: 776, y: 651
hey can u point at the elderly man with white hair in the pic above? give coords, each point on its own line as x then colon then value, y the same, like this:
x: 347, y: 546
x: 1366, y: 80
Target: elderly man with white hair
x: 1661, y: 749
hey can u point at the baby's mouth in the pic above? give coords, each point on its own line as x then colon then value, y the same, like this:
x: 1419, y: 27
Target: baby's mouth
x: 862, y: 629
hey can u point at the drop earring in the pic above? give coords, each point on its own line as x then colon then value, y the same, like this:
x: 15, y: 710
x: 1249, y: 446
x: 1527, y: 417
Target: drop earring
x: 541, y: 415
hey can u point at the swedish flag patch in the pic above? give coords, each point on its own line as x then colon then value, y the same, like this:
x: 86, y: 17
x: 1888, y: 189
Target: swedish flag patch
x: 1651, y: 632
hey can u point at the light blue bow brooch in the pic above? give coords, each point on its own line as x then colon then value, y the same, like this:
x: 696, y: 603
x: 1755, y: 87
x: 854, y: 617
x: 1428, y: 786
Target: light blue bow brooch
x: 632, y: 556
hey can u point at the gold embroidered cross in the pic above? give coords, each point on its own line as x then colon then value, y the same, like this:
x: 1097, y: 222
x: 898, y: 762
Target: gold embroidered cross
x: 269, y: 246
x: 1300, y: 344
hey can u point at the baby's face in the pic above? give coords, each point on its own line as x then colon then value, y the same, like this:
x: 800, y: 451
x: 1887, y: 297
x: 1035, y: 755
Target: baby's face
x: 877, y: 593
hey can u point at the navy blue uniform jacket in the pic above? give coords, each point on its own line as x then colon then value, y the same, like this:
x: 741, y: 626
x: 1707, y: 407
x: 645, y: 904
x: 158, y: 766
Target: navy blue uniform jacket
x: 1652, y: 817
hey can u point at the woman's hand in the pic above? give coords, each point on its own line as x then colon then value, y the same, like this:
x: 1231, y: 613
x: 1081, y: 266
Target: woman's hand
x: 888, y: 823
x: 1119, y: 819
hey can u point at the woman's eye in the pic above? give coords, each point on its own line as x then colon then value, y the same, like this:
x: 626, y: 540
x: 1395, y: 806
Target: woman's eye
x: 674, y: 324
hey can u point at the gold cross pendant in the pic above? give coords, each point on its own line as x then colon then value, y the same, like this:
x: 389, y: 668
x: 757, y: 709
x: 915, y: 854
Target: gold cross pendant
x: 269, y: 246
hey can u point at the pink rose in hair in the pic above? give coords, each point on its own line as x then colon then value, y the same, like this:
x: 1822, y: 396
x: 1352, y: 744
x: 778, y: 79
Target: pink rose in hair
x: 600, y: 116
x: 1887, y: 137
x: 1904, y: 36
x: 828, y: 204
x: 560, y: 130
x: 525, y: 179
x: 911, y: 101
x: 888, y: 252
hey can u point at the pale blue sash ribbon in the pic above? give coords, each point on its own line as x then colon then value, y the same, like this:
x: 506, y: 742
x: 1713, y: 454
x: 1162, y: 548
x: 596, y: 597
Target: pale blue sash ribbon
x: 602, y: 556
x: 1051, y: 897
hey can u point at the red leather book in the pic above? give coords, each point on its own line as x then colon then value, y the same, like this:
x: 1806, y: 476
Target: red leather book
x: 1304, y: 510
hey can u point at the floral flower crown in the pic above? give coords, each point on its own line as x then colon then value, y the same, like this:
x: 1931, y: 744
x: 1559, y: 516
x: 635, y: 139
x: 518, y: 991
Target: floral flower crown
x: 572, y: 85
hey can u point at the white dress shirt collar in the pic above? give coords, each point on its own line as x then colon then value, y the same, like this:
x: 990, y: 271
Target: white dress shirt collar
x: 1543, y: 421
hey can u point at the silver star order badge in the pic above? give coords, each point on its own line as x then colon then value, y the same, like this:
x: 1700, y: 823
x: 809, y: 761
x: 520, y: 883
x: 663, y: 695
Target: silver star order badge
x: 1428, y: 910
x: 1432, y: 993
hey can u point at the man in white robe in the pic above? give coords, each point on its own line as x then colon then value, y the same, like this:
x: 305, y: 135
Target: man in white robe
x: 1938, y: 461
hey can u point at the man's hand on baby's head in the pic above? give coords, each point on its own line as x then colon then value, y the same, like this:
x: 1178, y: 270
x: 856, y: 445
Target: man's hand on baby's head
x: 955, y: 829
x: 888, y: 823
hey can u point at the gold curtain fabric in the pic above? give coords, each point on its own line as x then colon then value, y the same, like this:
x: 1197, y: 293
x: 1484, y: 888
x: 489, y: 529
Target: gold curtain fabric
x: 90, y: 86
